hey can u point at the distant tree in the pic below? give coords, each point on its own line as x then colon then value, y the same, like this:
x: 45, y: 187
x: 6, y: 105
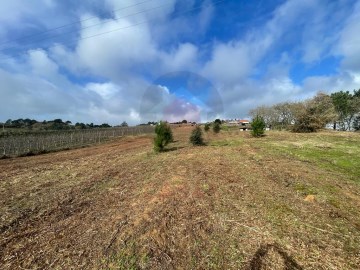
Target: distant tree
x: 258, y: 126
x: 8, y: 123
x: 58, y: 121
x: 29, y: 122
x: 356, y: 123
x: 184, y: 121
x: 80, y: 126
x: 105, y: 125
x: 196, y: 137
x: 216, y: 127
x: 163, y: 136
x: 347, y: 106
x: 267, y: 113
x: 57, y: 124
x: 279, y: 116
x: 17, y: 123
x: 124, y: 124
x: 207, y: 127
x: 285, y: 115
x: 313, y: 114
x: 217, y: 121
x: 341, y: 101
x: 357, y: 93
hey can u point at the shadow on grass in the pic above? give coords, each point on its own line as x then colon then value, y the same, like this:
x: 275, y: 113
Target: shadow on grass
x: 259, y: 261
x: 174, y: 148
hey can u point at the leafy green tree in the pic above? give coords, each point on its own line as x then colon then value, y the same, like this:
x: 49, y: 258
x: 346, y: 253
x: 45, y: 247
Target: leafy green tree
x: 163, y: 136
x: 356, y: 123
x: 313, y: 114
x: 80, y: 126
x: 217, y: 121
x: 58, y: 121
x: 341, y: 101
x: 207, y: 127
x: 124, y: 124
x: 216, y: 127
x: 196, y: 137
x: 258, y: 126
x: 357, y: 93
x: 347, y: 106
x: 8, y: 123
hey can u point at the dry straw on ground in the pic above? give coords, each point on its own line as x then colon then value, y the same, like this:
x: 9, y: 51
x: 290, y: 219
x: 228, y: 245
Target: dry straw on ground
x: 237, y: 203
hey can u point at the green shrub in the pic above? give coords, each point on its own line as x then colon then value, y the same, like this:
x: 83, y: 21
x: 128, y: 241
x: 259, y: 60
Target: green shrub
x: 163, y: 136
x: 196, y: 136
x: 258, y: 126
x: 216, y: 127
x: 207, y: 127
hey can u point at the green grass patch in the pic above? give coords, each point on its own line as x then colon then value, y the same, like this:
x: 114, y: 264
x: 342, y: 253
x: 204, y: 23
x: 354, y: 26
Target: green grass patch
x: 127, y: 258
x: 305, y: 189
x: 227, y: 142
x: 337, y: 154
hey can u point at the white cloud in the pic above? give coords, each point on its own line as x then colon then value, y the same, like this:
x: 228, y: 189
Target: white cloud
x: 182, y: 58
x: 41, y: 65
x: 248, y: 70
x: 105, y: 90
x: 206, y: 15
x: 180, y: 109
x: 230, y: 62
x: 24, y: 95
x: 156, y: 10
x: 349, y: 44
x: 116, y: 53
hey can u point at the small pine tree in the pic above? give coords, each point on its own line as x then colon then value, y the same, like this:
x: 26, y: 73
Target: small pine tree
x: 196, y: 136
x: 207, y: 127
x: 163, y: 136
x: 258, y: 126
x: 216, y: 127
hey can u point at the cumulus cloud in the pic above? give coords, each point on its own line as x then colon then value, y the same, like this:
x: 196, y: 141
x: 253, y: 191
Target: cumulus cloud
x: 181, y: 109
x: 23, y: 95
x: 350, y: 40
x: 184, y: 57
x: 109, y: 77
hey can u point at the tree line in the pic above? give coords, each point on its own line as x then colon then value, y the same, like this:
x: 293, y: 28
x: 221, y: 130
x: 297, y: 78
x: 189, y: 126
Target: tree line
x: 340, y: 109
x: 56, y: 124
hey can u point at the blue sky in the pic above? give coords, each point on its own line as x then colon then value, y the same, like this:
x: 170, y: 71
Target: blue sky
x: 134, y: 60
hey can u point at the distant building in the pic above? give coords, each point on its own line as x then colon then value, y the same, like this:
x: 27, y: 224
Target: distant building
x: 242, y: 124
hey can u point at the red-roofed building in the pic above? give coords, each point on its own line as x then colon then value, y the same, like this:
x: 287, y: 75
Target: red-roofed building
x: 242, y: 124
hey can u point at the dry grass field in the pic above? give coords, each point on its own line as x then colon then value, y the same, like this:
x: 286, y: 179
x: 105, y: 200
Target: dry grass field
x: 284, y: 201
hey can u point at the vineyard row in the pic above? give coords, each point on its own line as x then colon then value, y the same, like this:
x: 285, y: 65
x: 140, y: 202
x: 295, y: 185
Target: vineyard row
x: 11, y: 146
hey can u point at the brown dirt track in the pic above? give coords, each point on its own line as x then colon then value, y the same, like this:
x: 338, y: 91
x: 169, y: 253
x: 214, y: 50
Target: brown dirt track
x: 227, y: 205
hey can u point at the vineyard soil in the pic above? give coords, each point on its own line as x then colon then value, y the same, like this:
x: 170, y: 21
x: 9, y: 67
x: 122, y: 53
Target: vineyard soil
x: 284, y: 201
